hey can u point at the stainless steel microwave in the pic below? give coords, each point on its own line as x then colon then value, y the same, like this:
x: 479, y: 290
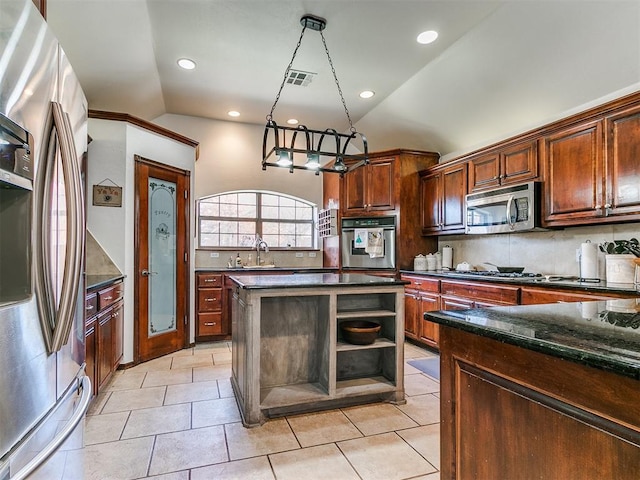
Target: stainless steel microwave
x: 504, y: 210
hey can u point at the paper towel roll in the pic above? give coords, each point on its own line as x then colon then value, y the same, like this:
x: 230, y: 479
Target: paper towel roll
x: 588, y: 260
x: 447, y: 257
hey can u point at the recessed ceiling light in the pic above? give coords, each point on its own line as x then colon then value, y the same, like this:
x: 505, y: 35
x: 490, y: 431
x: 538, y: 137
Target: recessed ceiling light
x: 233, y: 113
x: 367, y: 94
x: 292, y: 121
x: 187, y: 64
x: 427, y: 37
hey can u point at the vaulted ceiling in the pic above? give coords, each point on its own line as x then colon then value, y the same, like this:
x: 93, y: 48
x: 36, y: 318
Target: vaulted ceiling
x: 495, y: 69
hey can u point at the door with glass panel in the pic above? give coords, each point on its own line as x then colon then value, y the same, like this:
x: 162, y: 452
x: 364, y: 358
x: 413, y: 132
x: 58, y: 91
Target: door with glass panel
x: 162, y: 287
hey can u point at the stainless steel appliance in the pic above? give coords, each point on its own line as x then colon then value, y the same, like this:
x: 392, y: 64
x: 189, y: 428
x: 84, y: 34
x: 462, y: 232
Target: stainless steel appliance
x: 355, y: 236
x: 504, y: 210
x: 43, y: 137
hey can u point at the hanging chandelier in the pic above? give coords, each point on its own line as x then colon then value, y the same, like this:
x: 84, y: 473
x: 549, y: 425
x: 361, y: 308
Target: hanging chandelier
x: 303, y: 148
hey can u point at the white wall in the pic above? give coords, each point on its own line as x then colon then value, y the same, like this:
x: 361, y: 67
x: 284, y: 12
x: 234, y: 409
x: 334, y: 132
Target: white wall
x: 231, y: 156
x: 111, y: 155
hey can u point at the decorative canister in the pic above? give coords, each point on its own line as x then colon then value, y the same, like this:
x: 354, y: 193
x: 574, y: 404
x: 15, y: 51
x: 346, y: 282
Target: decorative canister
x: 431, y: 262
x: 420, y: 263
x: 621, y: 268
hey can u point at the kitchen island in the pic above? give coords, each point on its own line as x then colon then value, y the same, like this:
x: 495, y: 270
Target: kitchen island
x: 548, y: 391
x: 288, y: 354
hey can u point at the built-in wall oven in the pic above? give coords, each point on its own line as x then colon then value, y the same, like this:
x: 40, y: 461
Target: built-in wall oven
x: 368, y: 243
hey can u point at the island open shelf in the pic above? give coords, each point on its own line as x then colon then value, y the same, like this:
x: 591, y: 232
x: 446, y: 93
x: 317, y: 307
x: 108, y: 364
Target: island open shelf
x: 289, y: 355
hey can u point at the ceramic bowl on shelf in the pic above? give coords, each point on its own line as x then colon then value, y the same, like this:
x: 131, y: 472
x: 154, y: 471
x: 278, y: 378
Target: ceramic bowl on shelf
x: 359, y: 332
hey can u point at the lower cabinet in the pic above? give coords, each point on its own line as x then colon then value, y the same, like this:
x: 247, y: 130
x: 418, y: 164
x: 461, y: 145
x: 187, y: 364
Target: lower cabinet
x: 537, y: 296
x: 104, y: 333
x: 426, y: 293
x: 421, y: 296
x: 212, y: 323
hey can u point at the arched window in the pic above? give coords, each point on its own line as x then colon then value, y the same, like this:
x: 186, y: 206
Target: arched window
x: 232, y: 220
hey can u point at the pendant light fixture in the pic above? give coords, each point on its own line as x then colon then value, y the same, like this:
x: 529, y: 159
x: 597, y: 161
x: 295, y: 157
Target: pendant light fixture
x: 302, y: 148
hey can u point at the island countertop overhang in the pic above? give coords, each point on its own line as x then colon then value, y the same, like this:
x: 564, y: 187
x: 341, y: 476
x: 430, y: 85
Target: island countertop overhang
x: 588, y: 333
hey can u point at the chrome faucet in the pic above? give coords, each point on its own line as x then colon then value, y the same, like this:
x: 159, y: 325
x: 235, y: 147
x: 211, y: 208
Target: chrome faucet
x: 260, y: 244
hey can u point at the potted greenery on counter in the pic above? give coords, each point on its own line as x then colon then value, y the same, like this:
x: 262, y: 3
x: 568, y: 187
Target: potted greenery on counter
x: 619, y: 247
x: 621, y: 260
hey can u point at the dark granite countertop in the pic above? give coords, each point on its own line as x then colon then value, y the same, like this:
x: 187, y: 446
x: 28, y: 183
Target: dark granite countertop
x: 307, y: 280
x: 603, y: 335
x: 93, y: 282
x: 568, y: 283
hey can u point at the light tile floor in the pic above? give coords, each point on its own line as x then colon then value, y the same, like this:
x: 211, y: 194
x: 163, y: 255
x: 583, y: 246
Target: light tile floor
x: 175, y: 418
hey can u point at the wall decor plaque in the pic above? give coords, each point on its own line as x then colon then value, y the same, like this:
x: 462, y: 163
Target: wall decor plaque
x: 107, y: 196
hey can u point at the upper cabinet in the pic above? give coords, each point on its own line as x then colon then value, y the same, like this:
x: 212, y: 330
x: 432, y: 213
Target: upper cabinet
x: 380, y: 186
x: 369, y: 188
x: 623, y: 164
x: 574, y: 170
x: 593, y: 171
x: 513, y: 164
x: 442, y: 192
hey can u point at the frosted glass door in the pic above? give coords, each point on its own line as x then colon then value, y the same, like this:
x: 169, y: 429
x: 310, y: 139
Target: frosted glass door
x: 162, y: 256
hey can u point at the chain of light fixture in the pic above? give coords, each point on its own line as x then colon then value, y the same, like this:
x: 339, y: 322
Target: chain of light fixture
x: 313, y: 151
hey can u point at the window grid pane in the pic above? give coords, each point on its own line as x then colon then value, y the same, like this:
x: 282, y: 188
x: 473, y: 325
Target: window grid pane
x: 232, y: 220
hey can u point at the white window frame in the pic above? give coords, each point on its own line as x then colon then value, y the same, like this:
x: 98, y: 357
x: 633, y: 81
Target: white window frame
x: 259, y: 221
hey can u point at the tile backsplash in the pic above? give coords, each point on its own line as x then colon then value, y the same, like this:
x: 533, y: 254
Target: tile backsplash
x: 546, y: 252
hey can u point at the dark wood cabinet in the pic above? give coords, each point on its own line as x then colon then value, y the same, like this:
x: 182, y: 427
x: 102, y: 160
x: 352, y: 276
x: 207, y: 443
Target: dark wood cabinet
x: 555, y: 418
x: 537, y: 296
x: 512, y: 164
x: 210, y: 305
x: 104, y: 332
x: 622, y: 198
x: 592, y: 171
x: 574, y: 175
x: 428, y: 332
x: 369, y: 188
x: 104, y: 358
x: 442, y: 192
x: 421, y: 295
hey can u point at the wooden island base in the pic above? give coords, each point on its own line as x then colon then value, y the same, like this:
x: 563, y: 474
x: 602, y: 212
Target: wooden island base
x: 508, y: 412
x: 288, y: 354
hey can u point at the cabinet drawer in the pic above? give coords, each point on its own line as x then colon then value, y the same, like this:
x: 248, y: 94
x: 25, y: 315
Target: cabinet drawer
x: 90, y: 304
x: 424, y: 284
x: 533, y: 296
x: 209, y: 324
x: 110, y: 295
x: 209, y: 299
x: 505, y: 294
x: 209, y: 280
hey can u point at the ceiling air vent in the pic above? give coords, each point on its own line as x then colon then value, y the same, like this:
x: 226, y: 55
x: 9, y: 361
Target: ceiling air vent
x: 298, y: 77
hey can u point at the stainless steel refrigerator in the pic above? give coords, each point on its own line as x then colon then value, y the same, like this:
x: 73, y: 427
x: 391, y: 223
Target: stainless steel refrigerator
x: 43, y: 138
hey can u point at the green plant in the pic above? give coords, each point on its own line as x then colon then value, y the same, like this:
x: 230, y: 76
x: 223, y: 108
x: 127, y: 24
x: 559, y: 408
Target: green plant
x: 631, y: 246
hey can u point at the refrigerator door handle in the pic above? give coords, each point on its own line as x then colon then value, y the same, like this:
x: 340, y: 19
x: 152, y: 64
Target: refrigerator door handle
x: 57, y: 320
